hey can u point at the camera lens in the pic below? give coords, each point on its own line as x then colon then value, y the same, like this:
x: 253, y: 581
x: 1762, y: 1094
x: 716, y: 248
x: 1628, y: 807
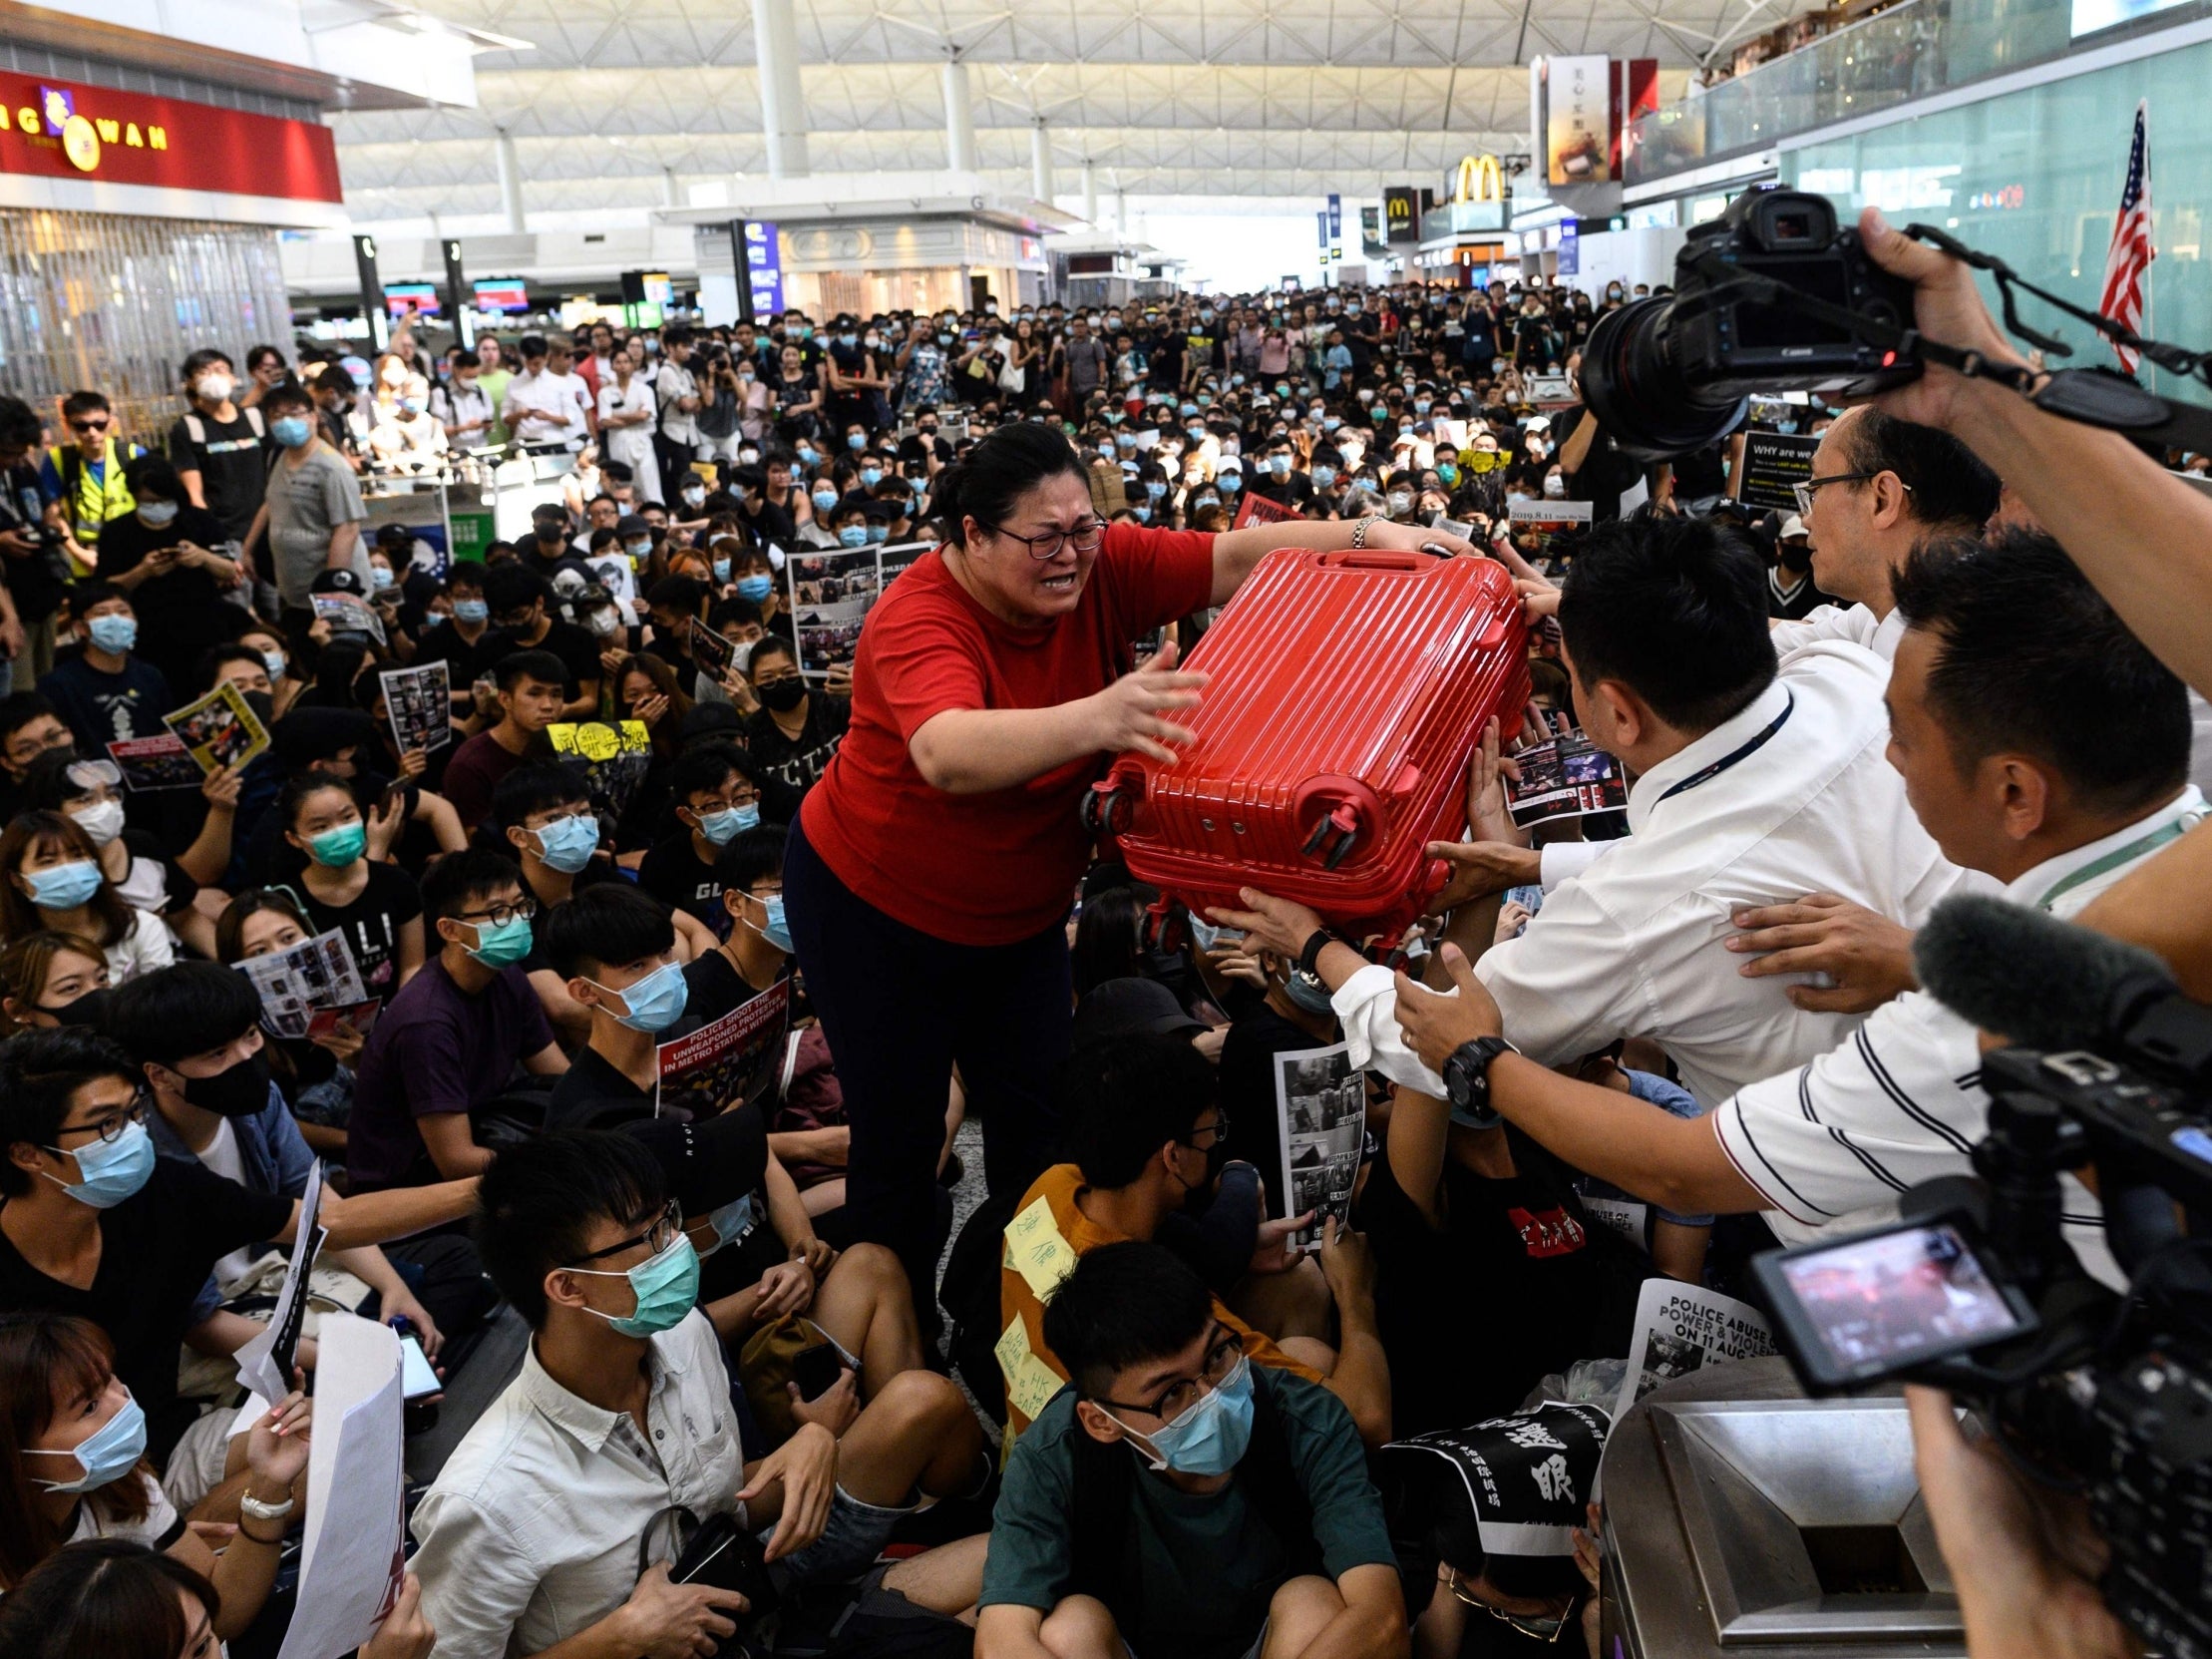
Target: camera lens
x: 1638, y: 395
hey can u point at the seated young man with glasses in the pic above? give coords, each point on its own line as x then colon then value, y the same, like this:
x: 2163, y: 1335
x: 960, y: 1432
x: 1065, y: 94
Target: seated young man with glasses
x: 1179, y: 1501
x: 553, y: 1524
x: 1144, y: 1124
x: 94, y: 1223
x: 449, y: 1041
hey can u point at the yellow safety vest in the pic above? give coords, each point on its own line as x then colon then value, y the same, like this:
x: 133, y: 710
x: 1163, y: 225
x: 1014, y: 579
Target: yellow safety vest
x: 95, y: 499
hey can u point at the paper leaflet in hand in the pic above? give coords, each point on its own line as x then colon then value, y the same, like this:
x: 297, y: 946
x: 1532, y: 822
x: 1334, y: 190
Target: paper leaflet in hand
x: 418, y: 704
x: 830, y: 591
x: 1321, y: 1111
x: 266, y: 1362
x: 150, y: 764
x: 351, y: 1556
x: 1683, y: 1327
x: 731, y: 1063
x: 1257, y: 508
x: 219, y: 729
x: 348, y: 613
x: 318, y: 972
x: 712, y: 651
x: 1565, y: 777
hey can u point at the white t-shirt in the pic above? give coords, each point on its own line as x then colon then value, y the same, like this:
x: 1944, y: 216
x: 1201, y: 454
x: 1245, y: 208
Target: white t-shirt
x: 144, y: 948
x: 223, y: 1156
x: 156, y: 1529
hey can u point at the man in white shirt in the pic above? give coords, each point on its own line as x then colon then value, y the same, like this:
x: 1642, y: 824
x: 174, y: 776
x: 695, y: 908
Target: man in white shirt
x: 548, y: 403
x: 1751, y: 785
x: 1880, y: 486
x: 540, y: 1530
x: 2007, y: 699
x: 676, y: 438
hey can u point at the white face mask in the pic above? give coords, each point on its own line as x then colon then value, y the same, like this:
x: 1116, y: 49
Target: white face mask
x: 102, y: 822
x: 214, y: 389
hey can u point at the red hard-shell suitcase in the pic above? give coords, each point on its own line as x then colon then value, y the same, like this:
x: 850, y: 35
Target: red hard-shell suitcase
x: 1350, y: 691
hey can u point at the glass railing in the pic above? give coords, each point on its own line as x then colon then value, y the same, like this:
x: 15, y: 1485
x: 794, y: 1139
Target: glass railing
x: 1910, y: 51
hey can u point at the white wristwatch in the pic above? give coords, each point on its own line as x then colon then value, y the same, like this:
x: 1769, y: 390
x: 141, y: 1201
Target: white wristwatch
x: 254, y: 1510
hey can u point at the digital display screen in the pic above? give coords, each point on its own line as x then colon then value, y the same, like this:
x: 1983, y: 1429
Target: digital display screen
x: 1766, y: 328
x: 501, y: 293
x: 402, y: 299
x: 1879, y: 1302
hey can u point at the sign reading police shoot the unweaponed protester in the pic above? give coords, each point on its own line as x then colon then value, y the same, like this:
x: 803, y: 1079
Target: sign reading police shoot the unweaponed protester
x: 731, y: 1063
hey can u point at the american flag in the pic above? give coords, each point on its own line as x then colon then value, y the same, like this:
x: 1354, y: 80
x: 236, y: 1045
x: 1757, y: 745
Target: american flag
x: 2128, y: 264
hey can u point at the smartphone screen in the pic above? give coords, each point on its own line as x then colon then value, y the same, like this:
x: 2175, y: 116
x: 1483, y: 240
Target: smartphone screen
x: 1878, y: 1303
x: 416, y: 1379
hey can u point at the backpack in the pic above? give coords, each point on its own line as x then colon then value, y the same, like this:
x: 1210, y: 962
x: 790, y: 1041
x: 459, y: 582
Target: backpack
x: 1104, y: 1487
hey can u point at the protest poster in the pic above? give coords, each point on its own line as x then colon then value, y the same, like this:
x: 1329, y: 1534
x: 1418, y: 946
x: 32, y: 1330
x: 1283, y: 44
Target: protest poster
x: 150, y: 764
x: 1537, y: 523
x: 318, y: 972
x: 1320, y: 1107
x: 617, y: 573
x: 358, y: 1017
x: 1567, y: 777
x: 1551, y: 391
x: 731, y: 1063
x: 351, y: 1558
x: 219, y: 729
x: 830, y: 591
x: 1772, y: 462
x: 712, y: 651
x: 1257, y: 508
x: 266, y: 1362
x: 348, y: 613
x: 610, y: 757
x: 1516, y: 1472
x: 1683, y: 1327
x: 418, y: 704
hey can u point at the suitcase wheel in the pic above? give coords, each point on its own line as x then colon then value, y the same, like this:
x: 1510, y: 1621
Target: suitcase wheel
x: 1105, y: 811
x: 1337, y: 830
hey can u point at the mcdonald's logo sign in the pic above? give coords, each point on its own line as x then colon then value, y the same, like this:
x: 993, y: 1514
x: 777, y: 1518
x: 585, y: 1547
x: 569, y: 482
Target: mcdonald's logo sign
x: 1478, y: 180
x: 1401, y: 213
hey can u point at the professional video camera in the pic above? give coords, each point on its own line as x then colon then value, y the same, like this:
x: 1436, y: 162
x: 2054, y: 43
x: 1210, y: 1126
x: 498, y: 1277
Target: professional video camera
x: 1775, y: 296
x: 1977, y: 1291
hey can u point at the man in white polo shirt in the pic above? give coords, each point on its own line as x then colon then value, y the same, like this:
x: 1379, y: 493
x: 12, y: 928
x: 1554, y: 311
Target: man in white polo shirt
x: 1751, y: 785
x: 2039, y: 742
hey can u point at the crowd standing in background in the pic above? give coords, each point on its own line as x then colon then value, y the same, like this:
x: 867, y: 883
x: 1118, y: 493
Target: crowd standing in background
x: 1163, y: 1434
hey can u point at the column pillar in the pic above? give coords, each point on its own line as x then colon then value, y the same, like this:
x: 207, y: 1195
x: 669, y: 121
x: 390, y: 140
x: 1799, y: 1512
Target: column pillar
x: 1040, y: 161
x: 671, y: 193
x: 960, y: 117
x: 511, y: 181
x: 783, y: 111
x: 1090, y: 193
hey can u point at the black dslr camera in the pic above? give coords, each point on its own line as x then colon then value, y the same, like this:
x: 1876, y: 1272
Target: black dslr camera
x: 1977, y: 1291
x: 1765, y: 299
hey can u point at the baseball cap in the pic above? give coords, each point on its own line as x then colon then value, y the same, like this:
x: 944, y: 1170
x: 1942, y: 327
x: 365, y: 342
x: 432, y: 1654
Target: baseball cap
x: 1793, y: 527
x: 1122, y: 1008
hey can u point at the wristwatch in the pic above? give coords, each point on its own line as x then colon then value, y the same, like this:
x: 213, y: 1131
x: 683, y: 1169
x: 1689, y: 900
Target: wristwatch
x: 1310, y: 958
x: 254, y: 1510
x: 1467, y: 1080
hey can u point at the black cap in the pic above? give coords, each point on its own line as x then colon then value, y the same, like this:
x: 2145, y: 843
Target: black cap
x: 629, y: 523
x: 1121, y: 1008
x: 338, y: 581
x: 709, y: 719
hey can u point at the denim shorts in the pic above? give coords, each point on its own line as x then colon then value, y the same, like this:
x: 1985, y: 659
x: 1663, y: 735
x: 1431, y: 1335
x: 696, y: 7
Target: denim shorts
x: 853, y: 1537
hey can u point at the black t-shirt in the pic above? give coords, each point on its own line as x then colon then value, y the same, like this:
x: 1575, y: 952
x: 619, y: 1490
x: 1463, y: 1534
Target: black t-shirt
x: 233, y: 460
x: 1248, y: 1093
x: 372, y: 923
x: 577, y: 650
x: 1293, y: 490
x: 157, y: 1249
x: 717, y: 988
x: 671, y: 872
x: 1555, y: 1286
x: 591, y: 1093
x: 797, y: 763
x: 442, y: 642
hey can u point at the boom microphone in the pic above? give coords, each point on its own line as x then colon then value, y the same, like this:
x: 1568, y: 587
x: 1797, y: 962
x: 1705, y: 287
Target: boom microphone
x: 2037, y: 981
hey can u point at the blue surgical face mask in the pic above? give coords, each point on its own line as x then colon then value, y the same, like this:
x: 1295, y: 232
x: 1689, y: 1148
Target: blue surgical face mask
x: 723, y: 827
x: 824, y: 500
x: 879, y: 532
x: 114, y: 634
x: 872, y: 475
x: 291, y: 431
x: 809, y: 454
x: 1230, y: 482
x: 1323, y: 477
x: 855, y: 441
x: 655, y: 1002
x: 566, y: 844
x: 337, y: 847
x: 1307, y: 993
x: 471, y: 611
x: 157, y: 512
x: 853, y: 535
x: 777, y: 931
x: 110, y: 1170
x: 380, y: 578
x: 1155, y: 488
x: 1279, y: 464
x: 64, y: 886
x: 730, y: 1223
x: 1210, y: 1437
x: 641, y: 548
x: 106, y: 1455
x: 721, y: 570
x: 667, y: 1288
x: 755, y: 588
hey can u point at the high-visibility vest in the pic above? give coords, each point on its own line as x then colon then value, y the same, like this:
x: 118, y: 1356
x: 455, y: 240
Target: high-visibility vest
x: 91, y: 501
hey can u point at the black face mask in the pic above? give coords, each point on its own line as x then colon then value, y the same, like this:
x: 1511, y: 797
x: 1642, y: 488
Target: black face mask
x: 783, y: 696
x: 238, y: 1093
x: 264, y: 706
x: 87, y: 1010
x: 1796, y: 561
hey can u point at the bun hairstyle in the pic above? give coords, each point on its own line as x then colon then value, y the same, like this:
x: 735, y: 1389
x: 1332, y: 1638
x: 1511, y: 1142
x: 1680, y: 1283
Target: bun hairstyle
x: 997, y: 472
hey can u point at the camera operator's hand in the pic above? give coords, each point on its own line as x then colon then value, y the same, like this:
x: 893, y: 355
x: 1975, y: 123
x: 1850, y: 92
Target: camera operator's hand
x: 1947, y: 307
x: 2023, y: 1562
x: 1867, y: 956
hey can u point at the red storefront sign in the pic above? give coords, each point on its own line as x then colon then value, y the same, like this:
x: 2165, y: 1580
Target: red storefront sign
x: 62, y: 130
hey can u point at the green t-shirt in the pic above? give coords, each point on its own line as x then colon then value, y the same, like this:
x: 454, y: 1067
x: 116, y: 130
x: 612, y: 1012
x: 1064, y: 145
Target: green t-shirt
x: 1207, y: 1566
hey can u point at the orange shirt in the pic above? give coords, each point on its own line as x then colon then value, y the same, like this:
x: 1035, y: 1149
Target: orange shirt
x: 1043, y: 1242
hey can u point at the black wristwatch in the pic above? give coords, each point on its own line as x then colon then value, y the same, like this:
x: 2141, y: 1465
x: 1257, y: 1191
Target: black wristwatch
x: 1310, y: 958
x: 1467, y: 1080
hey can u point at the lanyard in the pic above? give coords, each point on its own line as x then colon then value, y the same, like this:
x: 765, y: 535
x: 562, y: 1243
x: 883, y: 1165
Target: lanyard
x: 2135, y: 850
x: 1751, y: 747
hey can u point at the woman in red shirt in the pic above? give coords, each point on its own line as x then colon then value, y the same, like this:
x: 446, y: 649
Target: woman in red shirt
x: 930, y: 874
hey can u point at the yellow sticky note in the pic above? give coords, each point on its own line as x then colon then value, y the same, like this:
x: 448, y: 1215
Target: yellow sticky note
x: 1036, y: 1251
x: 1013, y: 1348
x: 1031, y: 1388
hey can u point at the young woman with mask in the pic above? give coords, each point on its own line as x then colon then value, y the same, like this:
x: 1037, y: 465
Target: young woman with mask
x: 796, y: 730
x: 376, y: 906
x: 90, y: 792
x: 929, y: 876
x: 72, y: 1448
x: 51, y: 880
x: 49, y: 980
x: 314, y: 1074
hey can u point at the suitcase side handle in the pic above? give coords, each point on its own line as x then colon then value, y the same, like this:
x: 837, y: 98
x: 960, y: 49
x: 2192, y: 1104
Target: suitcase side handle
x: 1376, y: 558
